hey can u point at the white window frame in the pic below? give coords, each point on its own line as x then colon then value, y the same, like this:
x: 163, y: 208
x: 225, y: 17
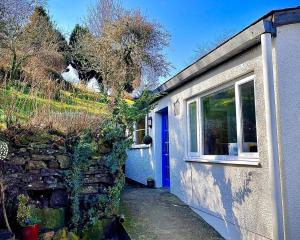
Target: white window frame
x: 189, y: 153
x: 242, y: 157
x: 142, y: 145
x: 239, y: 118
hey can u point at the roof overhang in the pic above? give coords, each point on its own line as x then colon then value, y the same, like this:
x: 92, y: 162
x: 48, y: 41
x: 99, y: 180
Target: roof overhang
x: 240, y: 42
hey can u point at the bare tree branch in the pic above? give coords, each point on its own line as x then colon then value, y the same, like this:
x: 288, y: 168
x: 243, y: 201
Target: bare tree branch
x: 124, y: 47
x: 101, y: 12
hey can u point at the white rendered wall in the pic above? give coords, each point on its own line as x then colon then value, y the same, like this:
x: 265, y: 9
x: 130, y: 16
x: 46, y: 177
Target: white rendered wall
x: 234, y: 199
x: 287, y: 56
x: 140, y: 165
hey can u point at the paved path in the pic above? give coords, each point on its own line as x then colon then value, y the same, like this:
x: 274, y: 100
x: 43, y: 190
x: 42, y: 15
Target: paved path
x: 156, y: 214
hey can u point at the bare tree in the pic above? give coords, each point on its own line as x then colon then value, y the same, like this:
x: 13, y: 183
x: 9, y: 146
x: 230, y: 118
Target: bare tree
x: 25, y: 35
x: 14, y: 15
x: 40, y: 47
x: 102, y: 12
x: 124, y: 47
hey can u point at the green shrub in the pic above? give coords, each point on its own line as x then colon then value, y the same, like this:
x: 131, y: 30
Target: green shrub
x: 51, y: 218
x: 96, y: 231
x: 61, y: 235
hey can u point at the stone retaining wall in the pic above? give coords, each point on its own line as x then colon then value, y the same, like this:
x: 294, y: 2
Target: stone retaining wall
x: 37, y: 165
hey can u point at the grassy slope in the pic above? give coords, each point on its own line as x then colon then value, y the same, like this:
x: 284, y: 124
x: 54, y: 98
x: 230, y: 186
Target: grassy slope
x: 81, y: 101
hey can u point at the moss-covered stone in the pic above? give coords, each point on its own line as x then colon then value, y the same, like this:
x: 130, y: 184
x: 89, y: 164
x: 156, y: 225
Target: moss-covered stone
x: 36, y: 157
x: 64, y: 161
x: 53, y: 165
x: 18, y: 160
x: 35, y: 165
x: 39, y: 137
x: 51, y: 218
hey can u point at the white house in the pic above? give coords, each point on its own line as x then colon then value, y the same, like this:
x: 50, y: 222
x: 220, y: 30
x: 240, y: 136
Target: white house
x: 226, y: 134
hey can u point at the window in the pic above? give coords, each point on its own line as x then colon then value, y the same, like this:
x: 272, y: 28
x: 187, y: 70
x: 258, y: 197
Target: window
x: 219, y: 123
x: 248, y: 121
x: 139, y: 132
x: 222, y: 124
x: 193, y: 134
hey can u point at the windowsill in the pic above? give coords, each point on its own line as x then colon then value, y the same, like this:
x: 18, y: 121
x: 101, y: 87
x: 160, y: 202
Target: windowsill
x: 229, y: 160
x: 140, y: 146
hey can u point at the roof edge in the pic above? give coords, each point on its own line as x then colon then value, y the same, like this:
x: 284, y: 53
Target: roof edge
x: 243, y: 40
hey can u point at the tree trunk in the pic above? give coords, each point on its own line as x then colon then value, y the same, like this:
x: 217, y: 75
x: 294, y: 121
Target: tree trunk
x: 13, y: 66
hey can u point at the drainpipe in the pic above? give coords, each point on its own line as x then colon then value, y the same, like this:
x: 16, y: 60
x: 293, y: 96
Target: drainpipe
x: 271, y: 135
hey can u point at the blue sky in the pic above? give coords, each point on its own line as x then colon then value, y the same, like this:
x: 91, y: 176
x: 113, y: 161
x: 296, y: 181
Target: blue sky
x: 190, y: 22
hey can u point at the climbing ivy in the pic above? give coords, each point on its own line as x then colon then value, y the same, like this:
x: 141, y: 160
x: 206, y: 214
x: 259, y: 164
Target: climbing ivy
x: 114, y: 194
x: 118, y: 131
x: 115, y: 134
x: 80, y: 162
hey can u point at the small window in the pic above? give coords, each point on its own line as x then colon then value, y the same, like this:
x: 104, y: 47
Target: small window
x: 248, y: 120
x: 193, y: 134
x: 219, y: 127
x: 140, y: 131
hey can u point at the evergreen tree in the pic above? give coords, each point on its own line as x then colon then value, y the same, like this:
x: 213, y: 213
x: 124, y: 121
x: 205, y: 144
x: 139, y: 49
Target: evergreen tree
x: 77, y: 33
x: 63, y: 46
x: 78, y: 61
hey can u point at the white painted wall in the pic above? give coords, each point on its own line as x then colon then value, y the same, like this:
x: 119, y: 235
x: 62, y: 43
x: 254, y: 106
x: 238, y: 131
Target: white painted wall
x: 140, y: 164
x: 233, y: 199
x: 237, y: 196
x: 287, y: 56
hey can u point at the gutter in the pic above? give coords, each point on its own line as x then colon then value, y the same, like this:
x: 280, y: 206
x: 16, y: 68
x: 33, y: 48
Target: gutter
x: 271, y: 136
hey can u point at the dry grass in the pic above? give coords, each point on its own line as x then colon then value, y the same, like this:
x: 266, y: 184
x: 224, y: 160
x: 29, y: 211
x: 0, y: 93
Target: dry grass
x: 67, y: 122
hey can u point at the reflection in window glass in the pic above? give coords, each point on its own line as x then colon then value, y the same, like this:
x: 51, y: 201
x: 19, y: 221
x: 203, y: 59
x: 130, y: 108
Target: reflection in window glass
x: 220, y: 137
x: 140, y: 131
x: 193, y: 127
x: 248, y: 117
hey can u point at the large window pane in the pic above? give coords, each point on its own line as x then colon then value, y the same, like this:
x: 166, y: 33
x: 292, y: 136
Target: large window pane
x: 248, y: 117
x: 193, y: 127
x: 219, y: 125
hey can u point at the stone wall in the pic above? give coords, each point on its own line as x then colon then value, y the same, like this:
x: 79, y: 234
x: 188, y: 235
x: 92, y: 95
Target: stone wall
x: 37, y: 164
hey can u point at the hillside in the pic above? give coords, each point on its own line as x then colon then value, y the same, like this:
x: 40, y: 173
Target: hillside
x: 22, y: 105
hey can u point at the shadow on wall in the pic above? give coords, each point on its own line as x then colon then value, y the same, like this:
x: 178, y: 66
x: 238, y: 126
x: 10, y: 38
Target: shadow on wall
x: 214, y: 193
x: 217, y: 190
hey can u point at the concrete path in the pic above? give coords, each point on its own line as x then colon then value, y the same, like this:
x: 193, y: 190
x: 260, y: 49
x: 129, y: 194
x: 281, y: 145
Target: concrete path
x: 156, y: 214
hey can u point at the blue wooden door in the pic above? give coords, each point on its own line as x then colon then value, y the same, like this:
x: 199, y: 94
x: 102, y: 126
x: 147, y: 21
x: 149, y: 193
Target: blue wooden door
x: 165, y: 150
